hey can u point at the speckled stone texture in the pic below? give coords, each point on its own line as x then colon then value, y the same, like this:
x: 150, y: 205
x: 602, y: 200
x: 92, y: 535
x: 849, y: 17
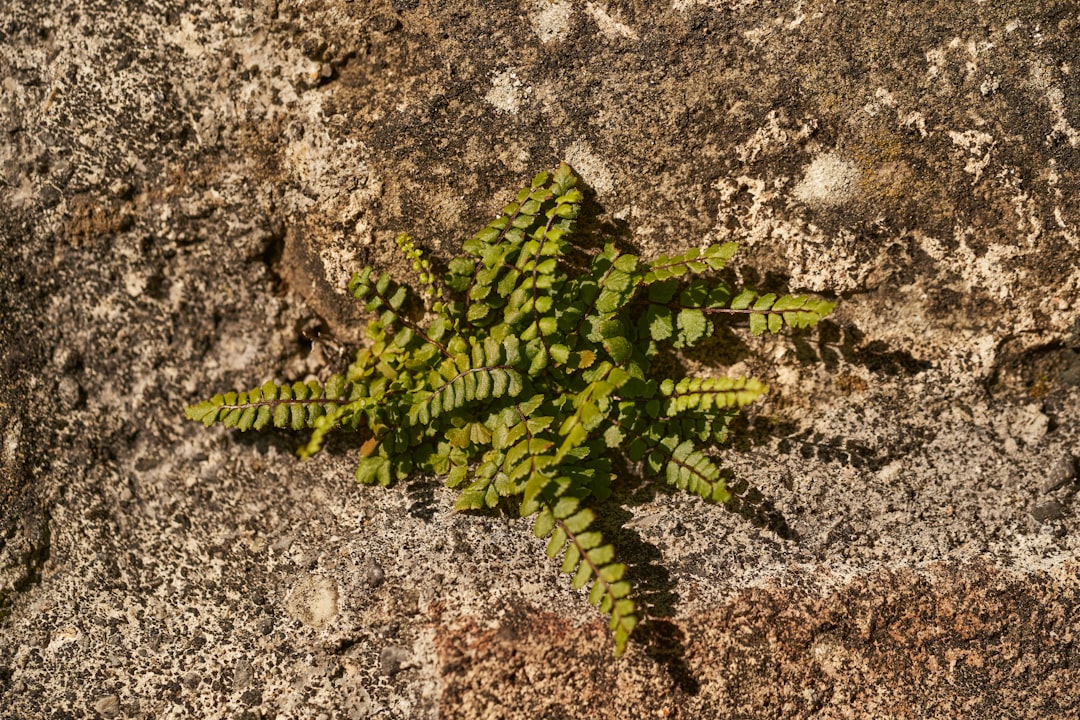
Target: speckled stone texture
x: 186, y: 186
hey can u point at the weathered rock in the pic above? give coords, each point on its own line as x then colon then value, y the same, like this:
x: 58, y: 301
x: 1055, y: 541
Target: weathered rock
x: 185, y: 189
x: 966, y: 641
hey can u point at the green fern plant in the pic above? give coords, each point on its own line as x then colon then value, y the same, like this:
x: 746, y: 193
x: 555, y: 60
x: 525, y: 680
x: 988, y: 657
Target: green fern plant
x: 522, y: 376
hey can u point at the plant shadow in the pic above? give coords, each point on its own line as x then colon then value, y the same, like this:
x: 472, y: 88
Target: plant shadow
x: 655, y: 592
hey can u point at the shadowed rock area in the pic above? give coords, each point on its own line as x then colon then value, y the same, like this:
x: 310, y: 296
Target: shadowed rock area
x: 186, y: 187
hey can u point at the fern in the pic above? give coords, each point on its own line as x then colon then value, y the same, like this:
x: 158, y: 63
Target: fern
x: 521, y: 378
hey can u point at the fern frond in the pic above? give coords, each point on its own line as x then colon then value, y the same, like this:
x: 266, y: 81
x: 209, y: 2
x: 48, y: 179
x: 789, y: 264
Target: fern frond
x: 517, y: 250
x: 521, y: 434
x: 374, y: 470
x: 772, y: 312
x: 691, y: 470
x: 590, y: 406
x: 481, y: 492
x: 695, y: 260
x: 421, y: 267
x: 387, y: 297
x: 587, y: 559
x: 295, y: 406
x: 704, y: 394
x: 618, y: 283
x: 664, y: 448
x: 488, y: 371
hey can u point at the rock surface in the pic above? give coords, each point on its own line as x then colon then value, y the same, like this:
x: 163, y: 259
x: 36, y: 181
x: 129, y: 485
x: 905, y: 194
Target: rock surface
x: 185, y: 187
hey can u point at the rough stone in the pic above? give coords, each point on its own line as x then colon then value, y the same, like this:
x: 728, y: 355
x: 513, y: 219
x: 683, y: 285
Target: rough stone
x: 392, y: 659
x: 1047, y: 511
x: 185, y: 187
x: 1061, y: 473
x: 961, y: 641
x: 829, y: 180
x: 314, y: 601
x: 107, y: 706
x: 374, y: 575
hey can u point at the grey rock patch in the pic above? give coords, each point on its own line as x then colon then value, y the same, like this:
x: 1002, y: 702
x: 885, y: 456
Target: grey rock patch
x: 551, y: 19
x: 392, y: 659
x: 591, y: 167
x: 242, y: 674
x: 107, y: 706
x: 829, y: 179
x: 1027, y: 424
x: 69, y: 392
x: 374, y: 574
x: 1048, y: 511
x: 1061, y: 474
x: 313, y: 601
x: 507, y: 92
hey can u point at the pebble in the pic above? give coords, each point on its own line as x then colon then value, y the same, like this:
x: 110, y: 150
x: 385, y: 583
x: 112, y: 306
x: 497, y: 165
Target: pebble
x: 242, y: 674
x: 1061, y: 473
x: 70, y: 392
x: 1029, y: 425
x: 374, y: 575
x: 1048, y: 511
x: 392, y: 658
x: 66, y: 359
x: 107, y: 706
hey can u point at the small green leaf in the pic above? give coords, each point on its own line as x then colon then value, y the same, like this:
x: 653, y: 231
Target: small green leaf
x: 619, y: 348
x: 262, y: 417
x: 545, y: 523
x: 758, y: 324
x: 582, y: 576
x: 600, y: 557
x: 659, y: 322
x: 765, y: 302
x: 742, y: 300
x: 692, y: 325
x: 499, y: 381
x: 663, y: 291
x: 372, y: 470
x: 789, y: 302
x: 557, y: 542
x: 247, y: 419
x: 579, y: 521
x: 514, y: 384
x: 539, y: 361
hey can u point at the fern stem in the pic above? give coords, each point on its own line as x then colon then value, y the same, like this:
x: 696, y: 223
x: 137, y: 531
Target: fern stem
x: 730, y: 311
x: 285, y: 401
x: 410, y: 324
x: 684, y: 263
